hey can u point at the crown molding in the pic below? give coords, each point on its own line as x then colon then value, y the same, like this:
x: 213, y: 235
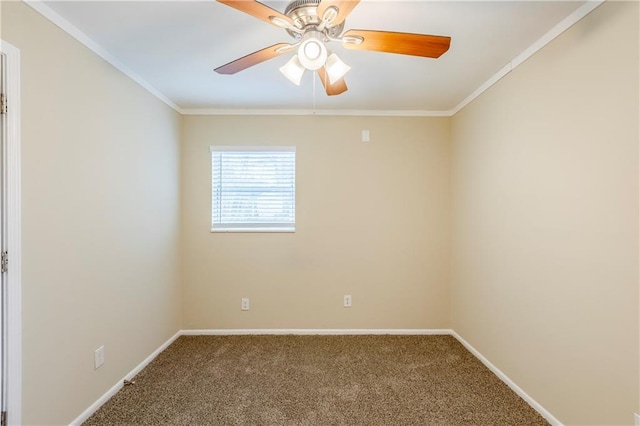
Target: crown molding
x: 40, y: 7
x: 72, y: 30
x: 340, y: 112
x: 551, y: 35
x: 561, y: 27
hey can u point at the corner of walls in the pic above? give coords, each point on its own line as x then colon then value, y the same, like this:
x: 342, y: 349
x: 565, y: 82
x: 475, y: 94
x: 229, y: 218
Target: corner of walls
x: 450, y: 224
x: 181, y: 243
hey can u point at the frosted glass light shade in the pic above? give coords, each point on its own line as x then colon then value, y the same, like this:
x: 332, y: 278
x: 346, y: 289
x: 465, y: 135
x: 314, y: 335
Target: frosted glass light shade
x: 293, y: 70
x: 336, y: 69
x: 312, y: 52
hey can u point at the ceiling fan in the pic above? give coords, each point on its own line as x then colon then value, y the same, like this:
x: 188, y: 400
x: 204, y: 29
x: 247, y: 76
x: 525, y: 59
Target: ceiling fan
x: 312, y: 24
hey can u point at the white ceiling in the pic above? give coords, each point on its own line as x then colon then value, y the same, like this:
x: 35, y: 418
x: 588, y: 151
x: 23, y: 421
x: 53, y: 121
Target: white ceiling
x: 175, y: 45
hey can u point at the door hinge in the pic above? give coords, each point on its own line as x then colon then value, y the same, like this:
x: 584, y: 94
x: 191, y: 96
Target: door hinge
x: 3, y: 103
x: 4, y: 262
x: 3, y: 418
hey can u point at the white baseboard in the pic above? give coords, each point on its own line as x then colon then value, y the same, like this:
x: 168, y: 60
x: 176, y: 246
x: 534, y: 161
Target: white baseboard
x: 115, y: 388
x: 517, y: 389
x: 328, y: 332
x: 315, y: 331
x: 244, y: 332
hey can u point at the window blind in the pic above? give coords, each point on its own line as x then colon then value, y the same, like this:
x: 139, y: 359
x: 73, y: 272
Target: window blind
x: 253, y: 188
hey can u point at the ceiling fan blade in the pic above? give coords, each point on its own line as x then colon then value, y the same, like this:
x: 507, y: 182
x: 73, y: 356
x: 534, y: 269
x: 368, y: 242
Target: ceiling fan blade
x: 428, y: 46
x: 258, y: 10
x: 344, y: 8
x: 332, y: 89
x: 254, y: 58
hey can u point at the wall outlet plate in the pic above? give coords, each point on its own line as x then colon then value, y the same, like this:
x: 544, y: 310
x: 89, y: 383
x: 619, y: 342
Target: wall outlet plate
x: 244, y: 304
x: 636, y: 418
x: 347, y: 300
x: 98, y: 357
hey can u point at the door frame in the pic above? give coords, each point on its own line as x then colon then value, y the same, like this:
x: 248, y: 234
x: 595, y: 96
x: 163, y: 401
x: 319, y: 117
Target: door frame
x: 13, y: 339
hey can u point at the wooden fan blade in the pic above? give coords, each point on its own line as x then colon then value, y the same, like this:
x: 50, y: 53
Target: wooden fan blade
x: 428, y: 46
x: 257, y: 9
x: 332, y: 89
x: 253, y: 59
x: 344, y: 9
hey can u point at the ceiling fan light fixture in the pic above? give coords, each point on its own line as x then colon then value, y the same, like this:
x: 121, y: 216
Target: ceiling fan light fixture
x: 312, y: 52
x: 293, y: 70
x: 312, y: 24
x: 336, y: 69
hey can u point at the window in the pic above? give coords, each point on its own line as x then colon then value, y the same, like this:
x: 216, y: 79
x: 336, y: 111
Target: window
x: 253, y: 189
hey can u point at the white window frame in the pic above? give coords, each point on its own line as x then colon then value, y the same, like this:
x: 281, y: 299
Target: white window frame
x: 262, y: 227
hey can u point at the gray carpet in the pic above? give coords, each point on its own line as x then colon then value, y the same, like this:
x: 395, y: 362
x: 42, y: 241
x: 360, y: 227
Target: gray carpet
x: 316, y: 380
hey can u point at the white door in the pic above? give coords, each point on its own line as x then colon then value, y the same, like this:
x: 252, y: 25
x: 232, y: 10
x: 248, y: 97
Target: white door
x: 3, y: 244
x: 10, y: 238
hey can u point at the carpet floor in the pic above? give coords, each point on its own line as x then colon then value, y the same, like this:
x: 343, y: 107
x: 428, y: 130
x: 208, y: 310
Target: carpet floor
x: 316, y: 380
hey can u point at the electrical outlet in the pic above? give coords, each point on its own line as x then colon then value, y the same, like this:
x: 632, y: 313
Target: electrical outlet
x: 347, y: 300
x: 98, y: 357
x: 636, y: 418
x: 366, y: 136
x: 244, y: 305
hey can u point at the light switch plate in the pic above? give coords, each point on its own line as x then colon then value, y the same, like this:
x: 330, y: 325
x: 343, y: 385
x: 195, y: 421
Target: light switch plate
x: 636, y: 418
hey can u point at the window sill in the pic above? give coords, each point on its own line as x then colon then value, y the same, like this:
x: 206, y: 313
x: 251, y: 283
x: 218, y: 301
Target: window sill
x: 254, y: 230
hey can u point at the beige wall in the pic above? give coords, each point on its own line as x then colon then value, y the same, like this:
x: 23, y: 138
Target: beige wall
x: 372, y: 221
x: 545, y: 234
x: 100, y: 186
x: 544, y: 199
